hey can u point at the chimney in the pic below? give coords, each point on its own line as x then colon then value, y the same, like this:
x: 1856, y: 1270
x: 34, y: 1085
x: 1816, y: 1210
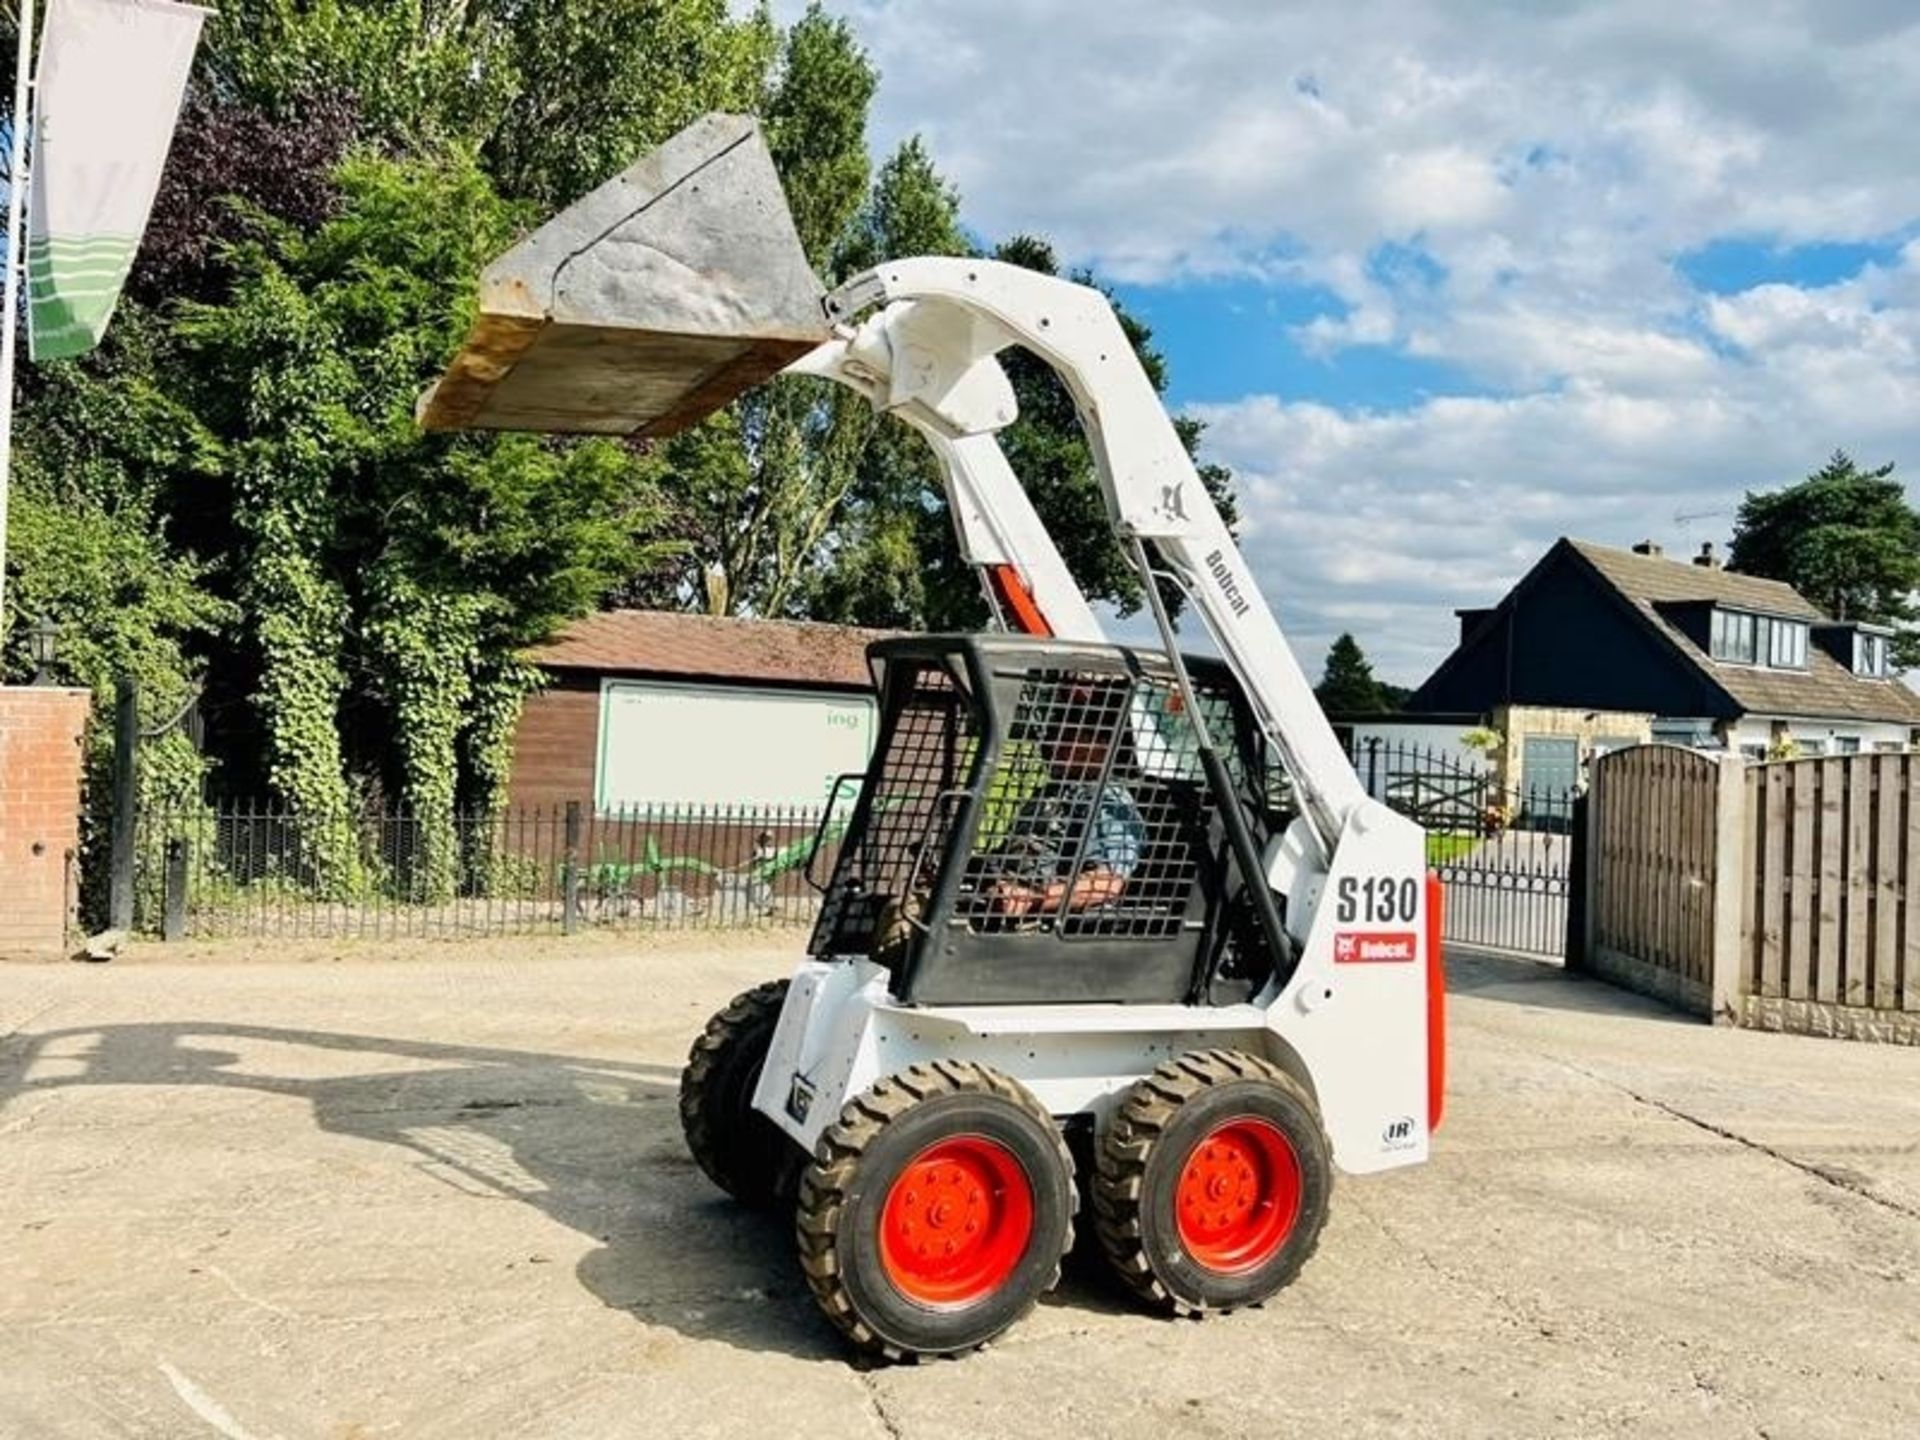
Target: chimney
x: 1647, y: 547
x: 1706, y: 559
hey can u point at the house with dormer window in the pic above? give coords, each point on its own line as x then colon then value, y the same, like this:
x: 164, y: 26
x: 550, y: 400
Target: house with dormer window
x: 1717, y: 659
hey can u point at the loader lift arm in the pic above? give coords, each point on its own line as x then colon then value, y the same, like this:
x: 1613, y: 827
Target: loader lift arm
x: 1027, y: 586
x: 942, y: 321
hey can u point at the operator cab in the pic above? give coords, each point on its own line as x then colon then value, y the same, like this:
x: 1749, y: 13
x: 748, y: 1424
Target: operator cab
x: 1036, y: 826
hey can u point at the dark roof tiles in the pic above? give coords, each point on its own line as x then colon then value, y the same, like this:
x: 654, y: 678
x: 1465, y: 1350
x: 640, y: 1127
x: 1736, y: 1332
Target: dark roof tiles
x: 1824, y: 688
x: 713, y: 647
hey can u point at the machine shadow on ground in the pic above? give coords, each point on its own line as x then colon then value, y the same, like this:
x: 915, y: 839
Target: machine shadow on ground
x: 593, y: 1144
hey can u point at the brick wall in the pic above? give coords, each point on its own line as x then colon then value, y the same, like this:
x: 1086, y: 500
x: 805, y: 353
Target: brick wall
x: 40, y: 764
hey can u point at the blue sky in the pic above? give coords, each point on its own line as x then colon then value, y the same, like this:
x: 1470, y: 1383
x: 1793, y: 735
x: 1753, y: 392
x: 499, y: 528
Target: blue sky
x: 1448, y: 282
x: 1225, y: 338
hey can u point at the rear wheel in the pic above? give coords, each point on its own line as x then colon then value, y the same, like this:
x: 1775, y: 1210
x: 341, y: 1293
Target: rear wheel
x: 935, y: 1211
x: 741, y: 1150
x: 1212, y: 1182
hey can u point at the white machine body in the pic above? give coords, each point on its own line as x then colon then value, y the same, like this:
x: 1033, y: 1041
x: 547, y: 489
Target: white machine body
x: 1352, y: 1022
x: 1359, y: 1019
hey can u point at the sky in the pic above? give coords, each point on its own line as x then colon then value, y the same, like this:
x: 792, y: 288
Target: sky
x: 1448, y: 281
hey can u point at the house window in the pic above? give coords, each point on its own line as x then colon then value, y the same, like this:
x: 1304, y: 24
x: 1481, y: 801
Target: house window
x: 1870, y: 656
x: 1733, y: 636
x: 1753, y: 752
x: 1813, y: 747
x: 1786, y: 644
x: 1846, y: 744
x: 1742, y: 639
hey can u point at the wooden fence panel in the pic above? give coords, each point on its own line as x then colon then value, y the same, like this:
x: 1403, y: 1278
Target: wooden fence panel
x: 1909, y: 964
x: 1799, y: 881
x: 1890, y: 786
x: 1772, y: 820
x: 1656, y: 839
x: 1784, y: 895
x: 1833, y: 940
x: 1862, y: 795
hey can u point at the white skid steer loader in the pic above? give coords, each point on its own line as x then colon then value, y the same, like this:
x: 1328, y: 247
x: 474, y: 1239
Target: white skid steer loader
x: 1105, y: 920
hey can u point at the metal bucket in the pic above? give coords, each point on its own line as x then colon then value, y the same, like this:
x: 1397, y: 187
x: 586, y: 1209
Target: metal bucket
x: 646, y: 305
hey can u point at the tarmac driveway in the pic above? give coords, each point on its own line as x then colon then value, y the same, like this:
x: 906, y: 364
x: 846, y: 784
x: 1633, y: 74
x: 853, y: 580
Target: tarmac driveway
x: 446, y: 1195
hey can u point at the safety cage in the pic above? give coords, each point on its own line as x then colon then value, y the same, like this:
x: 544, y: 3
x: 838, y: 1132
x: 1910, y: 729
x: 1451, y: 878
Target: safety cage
x: 1035, y: 825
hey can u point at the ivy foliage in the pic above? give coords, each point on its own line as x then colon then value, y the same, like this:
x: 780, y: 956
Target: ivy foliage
x: 373, y: 558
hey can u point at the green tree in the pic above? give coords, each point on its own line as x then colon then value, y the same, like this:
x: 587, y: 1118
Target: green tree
x: 372, y: 560
x: 1348, y: 687
x: 760, y: 489
x: 1845, y: 538
x: 551, y: 98
x: 90, y: 545
x: 292, y: 375
x: 891, y: 539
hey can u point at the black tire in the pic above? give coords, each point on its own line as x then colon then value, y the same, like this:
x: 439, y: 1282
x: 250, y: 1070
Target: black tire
x: 741, y: 1150
x: 1145, y: 1153
x: 879, y: 1138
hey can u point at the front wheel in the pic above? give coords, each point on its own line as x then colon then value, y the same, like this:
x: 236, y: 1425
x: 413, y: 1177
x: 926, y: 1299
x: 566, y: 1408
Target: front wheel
x: 936, y: 1210
x: 1212, y: 1182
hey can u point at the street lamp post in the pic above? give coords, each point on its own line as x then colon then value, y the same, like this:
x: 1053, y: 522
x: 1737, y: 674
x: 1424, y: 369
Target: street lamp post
x: 43, y: 640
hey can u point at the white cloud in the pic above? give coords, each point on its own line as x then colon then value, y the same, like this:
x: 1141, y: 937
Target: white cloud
x: 1544, y: 163
x: 1141, y: 134
x: 1386, y: 522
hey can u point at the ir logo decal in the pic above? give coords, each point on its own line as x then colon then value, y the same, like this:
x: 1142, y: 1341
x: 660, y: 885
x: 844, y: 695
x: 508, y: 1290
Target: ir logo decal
x: 1398, y: 1135
x: 799, y: 1099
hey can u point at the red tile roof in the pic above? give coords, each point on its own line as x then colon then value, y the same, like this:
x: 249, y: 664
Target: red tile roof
x: 713, y: 647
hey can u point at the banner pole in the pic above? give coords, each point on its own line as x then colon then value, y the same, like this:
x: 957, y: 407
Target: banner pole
x: 16, y: 266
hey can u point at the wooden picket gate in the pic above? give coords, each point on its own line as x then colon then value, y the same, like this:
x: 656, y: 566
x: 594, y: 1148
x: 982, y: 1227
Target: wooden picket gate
x: 1783, y: 896
x: 1660, y: 861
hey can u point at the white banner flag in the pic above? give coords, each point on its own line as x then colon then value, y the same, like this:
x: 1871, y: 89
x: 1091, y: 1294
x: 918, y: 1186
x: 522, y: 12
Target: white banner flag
x: 111, y: 77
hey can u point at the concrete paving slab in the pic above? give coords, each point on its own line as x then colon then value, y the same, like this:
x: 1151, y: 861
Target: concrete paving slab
x: 446, y: 1195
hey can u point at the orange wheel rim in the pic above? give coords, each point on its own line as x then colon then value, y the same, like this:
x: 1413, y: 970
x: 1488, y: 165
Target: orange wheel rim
x: 956, y: 1221
x: 1238, y: 1196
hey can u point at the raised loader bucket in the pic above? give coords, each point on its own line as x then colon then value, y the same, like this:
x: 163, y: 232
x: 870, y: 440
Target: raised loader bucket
x: 643, y: 307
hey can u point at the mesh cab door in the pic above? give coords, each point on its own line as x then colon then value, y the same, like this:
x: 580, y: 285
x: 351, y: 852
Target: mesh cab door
x: 901, y: 826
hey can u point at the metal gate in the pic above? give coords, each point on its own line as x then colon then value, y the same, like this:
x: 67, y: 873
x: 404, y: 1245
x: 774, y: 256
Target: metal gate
x: 1504, y: 856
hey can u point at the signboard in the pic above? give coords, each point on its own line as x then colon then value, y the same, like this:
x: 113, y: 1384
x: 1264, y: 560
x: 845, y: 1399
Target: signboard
x: 111, y: 76
x: 690, y: 745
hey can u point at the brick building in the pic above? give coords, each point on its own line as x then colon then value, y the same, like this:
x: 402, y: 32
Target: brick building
x: 659, y: 709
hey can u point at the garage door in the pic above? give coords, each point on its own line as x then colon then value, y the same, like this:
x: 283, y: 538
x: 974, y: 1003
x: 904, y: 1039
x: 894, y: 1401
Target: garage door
x: 1549, y: 764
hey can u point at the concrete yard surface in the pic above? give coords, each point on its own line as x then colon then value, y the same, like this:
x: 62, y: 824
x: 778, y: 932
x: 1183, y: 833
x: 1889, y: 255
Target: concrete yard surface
x: 445, y: 1195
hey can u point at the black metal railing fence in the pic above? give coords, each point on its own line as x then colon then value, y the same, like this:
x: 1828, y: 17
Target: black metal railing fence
x: 248, y: 869
x: 257, y: 869
x: 1503, y: 852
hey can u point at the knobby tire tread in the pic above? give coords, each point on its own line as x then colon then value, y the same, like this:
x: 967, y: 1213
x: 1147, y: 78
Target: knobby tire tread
x: 824, y: 1184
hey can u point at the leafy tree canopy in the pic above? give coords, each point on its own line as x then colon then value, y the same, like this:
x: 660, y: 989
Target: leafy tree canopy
x: 1845, y: 538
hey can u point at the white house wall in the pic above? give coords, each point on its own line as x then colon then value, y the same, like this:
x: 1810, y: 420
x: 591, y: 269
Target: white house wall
x: 1752, y: 730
